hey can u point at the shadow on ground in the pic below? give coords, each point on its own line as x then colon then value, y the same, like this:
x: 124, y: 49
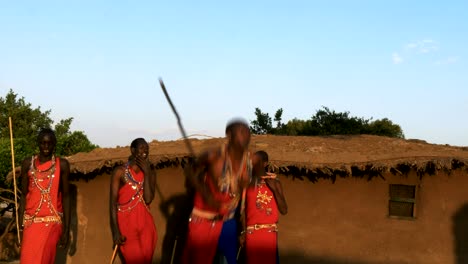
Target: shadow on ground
x: 62, y: 253
x: 460, y: 234
x: 299, y: 258
x: 176, y: 210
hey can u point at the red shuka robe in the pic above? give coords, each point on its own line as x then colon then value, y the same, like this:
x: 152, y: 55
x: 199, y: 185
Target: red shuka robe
x: 135, y: 222
x: 261, y: 208
x: 39, y: 244
x: 203, y: 234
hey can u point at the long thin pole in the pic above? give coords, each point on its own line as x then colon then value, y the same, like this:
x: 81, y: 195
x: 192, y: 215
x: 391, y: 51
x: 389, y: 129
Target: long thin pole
x: 14, y: 179
x: 186, y: 140
x: 114, y: 253
x: 174, y: 250
x: 179, y: 122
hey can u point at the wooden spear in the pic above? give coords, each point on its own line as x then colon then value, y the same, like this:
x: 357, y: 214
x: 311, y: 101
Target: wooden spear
x: 186, y: 140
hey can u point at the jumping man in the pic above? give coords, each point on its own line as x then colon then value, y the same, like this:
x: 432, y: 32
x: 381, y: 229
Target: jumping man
x: 223, y: 174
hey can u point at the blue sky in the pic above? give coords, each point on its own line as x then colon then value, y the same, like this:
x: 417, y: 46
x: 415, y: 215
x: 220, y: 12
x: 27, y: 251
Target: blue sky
x: 99, y: 62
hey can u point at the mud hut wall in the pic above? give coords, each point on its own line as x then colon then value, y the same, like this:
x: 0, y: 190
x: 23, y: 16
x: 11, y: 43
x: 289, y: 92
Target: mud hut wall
x: 348, y: 220
x: 343, y: 221
x: 94, y: 243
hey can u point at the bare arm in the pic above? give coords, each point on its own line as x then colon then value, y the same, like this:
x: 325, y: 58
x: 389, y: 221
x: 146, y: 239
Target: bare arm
x: 65, y: 188
x: 24, y: 188
x: 196, y: 173
x: 243, y: 228
x: 149, y: 184
x: 277, y: 189
x: 113, y: 202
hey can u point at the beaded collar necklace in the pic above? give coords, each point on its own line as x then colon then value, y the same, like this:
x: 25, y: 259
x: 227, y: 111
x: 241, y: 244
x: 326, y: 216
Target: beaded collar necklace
x: 33, y: 163
x: 130, y: 179
x: 137, y: 196
x: 229, y: 182
x: 45, y: 191
x: 35, y: 171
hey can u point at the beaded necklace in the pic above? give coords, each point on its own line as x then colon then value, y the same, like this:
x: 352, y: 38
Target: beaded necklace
x: 130, y: 179
x: 136, y: 185
x: 44, y: 190
x: 229, y: 183
x: 263, y: 199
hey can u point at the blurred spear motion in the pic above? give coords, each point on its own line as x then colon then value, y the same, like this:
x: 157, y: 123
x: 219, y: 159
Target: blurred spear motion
x: 186, y: 140
x: 179, y: 122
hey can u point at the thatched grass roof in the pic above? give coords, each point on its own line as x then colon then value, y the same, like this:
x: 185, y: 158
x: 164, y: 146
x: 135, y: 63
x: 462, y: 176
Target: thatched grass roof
x: 310, y: 157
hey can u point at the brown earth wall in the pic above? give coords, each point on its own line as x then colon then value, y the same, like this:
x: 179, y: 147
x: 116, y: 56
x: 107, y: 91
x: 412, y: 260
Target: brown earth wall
x: 342, y: 222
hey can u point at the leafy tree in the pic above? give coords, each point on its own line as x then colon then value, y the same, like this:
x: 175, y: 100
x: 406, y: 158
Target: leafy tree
x: 279, y: 124
x: 27, y: 122
x: 329, y: 122
x: 296, y: 127
x: 385, y: 127
x: 324, y: 122
x: 263, y: 123
x: 69, y: 143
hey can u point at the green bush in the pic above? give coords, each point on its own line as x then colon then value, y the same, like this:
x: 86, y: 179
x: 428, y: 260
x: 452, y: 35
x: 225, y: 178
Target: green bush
x: 324, y: 122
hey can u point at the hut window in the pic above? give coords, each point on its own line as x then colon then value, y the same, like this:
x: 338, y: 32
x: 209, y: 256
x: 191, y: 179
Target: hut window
x: 402, y: 201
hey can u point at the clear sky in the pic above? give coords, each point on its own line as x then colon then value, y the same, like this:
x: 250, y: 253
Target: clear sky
x: 99, y: 62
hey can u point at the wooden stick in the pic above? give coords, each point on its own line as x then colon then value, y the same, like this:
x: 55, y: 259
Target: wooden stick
x: 14, y: 179
x: 179, y: 122
x: 173, y: 251
x: 238, y: 253
x: 114, y: 253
